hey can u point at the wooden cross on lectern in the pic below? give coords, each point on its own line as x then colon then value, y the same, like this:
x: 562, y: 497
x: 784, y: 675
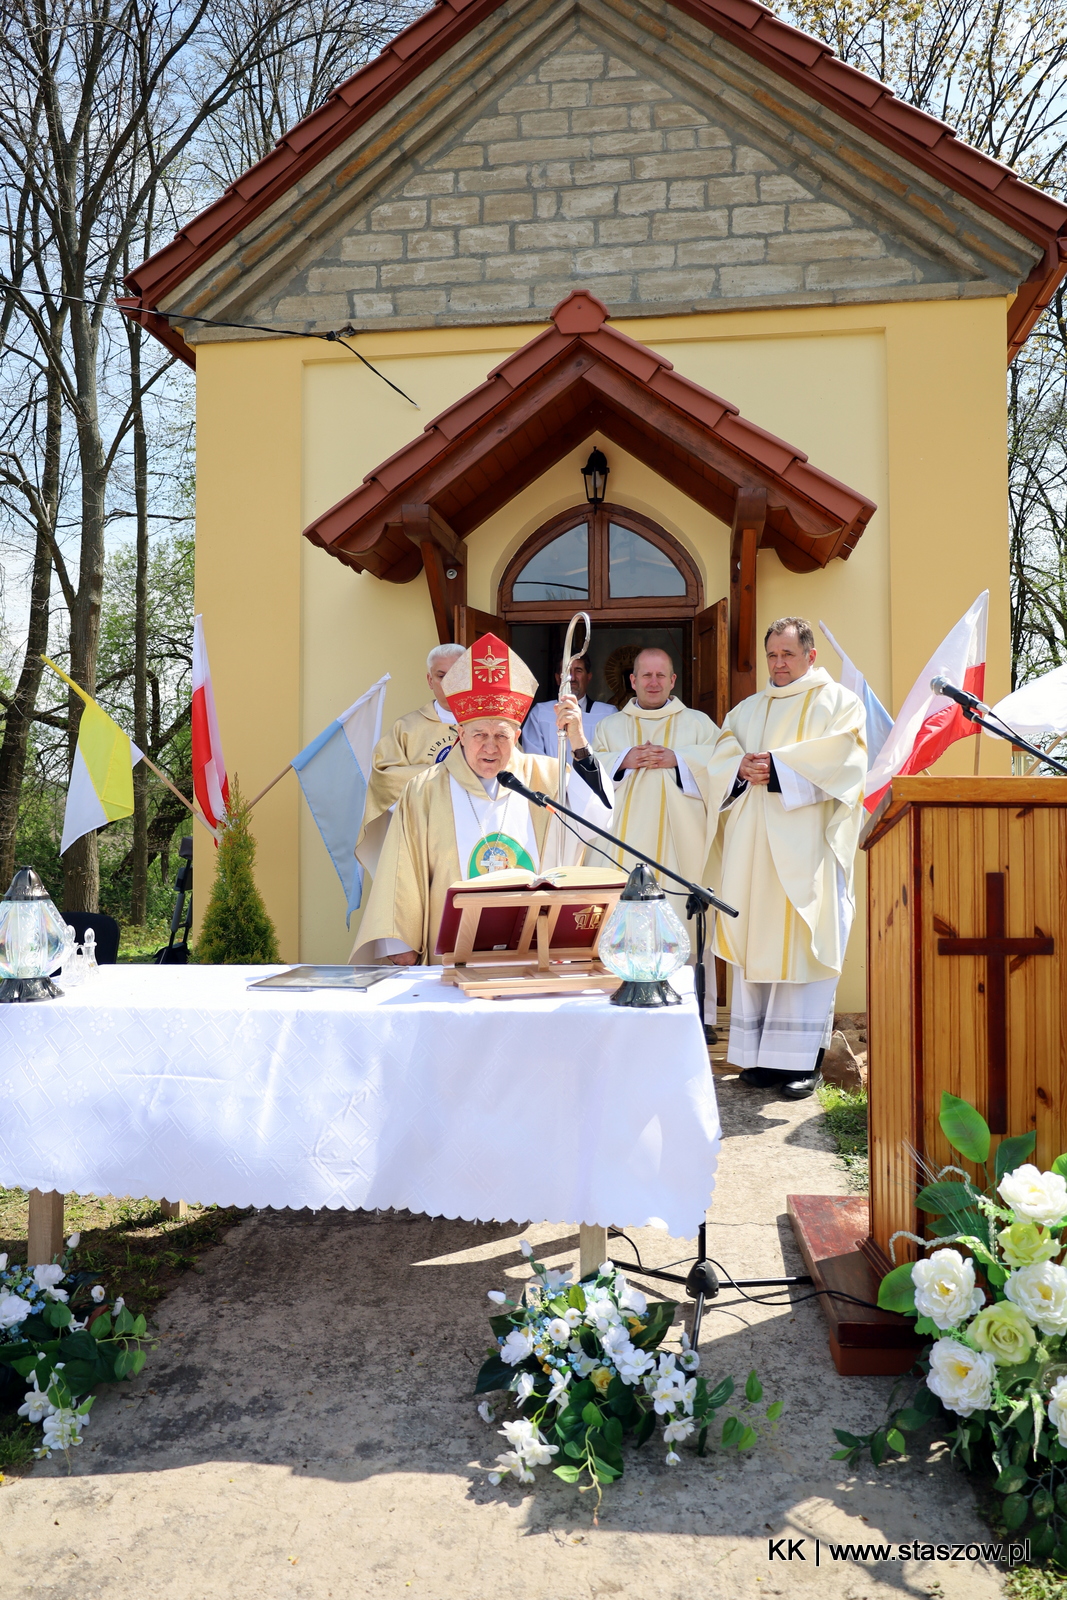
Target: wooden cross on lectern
x: 996, y: 947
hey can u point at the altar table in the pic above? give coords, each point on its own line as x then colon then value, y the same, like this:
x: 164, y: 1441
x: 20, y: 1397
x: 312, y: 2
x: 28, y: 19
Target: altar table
x: 173, y: 1081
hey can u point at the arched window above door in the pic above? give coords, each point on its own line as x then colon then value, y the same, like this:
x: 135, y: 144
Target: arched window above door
x: 609, y: 561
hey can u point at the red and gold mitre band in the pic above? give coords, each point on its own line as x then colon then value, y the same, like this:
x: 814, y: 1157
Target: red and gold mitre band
x: 489, y: 680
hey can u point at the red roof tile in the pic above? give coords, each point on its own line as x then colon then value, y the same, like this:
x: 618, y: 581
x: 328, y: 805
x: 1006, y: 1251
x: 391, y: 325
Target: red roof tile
x: 576, y: 378
x: 805, y: 61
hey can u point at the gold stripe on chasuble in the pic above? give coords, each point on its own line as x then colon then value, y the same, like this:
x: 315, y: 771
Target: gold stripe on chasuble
x: 787, y: 940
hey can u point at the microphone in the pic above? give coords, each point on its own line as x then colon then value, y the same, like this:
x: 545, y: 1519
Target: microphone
x: 509, y: 781
x: 962, y: 697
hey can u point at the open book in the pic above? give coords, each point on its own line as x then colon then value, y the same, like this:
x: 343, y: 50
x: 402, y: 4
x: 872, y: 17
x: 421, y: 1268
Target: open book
x: 576, y: 928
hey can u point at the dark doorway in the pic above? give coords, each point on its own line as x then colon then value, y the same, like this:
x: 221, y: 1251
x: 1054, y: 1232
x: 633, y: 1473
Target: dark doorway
x: 540, y: 644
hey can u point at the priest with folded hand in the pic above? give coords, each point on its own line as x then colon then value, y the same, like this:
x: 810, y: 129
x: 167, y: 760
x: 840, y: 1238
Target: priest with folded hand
x: 796, y: 757
x: 456, y: 820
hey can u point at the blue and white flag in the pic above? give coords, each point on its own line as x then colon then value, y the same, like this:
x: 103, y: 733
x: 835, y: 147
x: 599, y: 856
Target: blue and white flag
x: 879, y: 722
x: 334, y: 771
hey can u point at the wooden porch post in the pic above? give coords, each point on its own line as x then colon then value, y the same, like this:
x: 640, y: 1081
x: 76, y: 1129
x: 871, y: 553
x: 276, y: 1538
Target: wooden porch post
x: 750, y: 514
x: 442, y: 552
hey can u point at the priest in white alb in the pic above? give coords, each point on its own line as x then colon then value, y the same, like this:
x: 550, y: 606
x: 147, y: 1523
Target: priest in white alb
x: 456, y: 821
x: 416, y: 741
x: 657, y: 752
x: 795, y: 756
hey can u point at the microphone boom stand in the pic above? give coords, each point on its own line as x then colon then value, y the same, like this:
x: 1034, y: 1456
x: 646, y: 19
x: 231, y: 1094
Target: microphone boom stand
x: 701, y: 1282
x: 973, y: 715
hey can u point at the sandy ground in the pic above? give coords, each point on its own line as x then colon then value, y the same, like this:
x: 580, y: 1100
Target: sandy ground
x: 306, y: 1429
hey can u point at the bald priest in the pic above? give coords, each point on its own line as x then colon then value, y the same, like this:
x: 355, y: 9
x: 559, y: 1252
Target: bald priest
x: 455, y: 820
x: 416, y: 741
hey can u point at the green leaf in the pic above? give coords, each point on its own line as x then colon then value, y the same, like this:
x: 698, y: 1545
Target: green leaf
x: 996, y: 1277
x: 1042, y: 1542
x: 910, y: 1418
x: 748, y: 1439
x: 896, y: 1441
x: 613, y: 1431
x: 644, y: 1428
x: 494, y: 1374
x: 503, y: 1322
x: 848, y: 1438
x: 1011, y: 1480
x: 568, y: 1474
x: 947, y: 1199
x: 1011, y: 1153
x: 58, y: 1314
x: 926, y: 1326
x: 1060, y: 1165
x: 896, y: 1292
x: 101, y: 1327
x: 774, y: 1410
x: 1013, y: 1511
x: 581, y: 1392
x: 575, y: 1450
x: 604, y: 1472
x: 576, y: 1297
x: 964, y: 1128
x: 1042, y: 1504
x: 731, y: 1429
x: 753, y: 1388
x: 592, y: 1415
x: 139, y: 1359
x: 721, y: 1393
x: 124, y: 1322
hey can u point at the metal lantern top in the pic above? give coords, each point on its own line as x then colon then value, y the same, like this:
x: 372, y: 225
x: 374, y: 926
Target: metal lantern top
x: 26, y: 885
x: 595, y: 474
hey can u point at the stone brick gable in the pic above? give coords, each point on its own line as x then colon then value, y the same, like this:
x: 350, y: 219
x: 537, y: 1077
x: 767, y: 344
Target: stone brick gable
x: 589, y: 169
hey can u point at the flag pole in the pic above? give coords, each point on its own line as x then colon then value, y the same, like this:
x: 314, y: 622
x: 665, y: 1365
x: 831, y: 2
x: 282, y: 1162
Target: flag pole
x: 269, y: 786
x: 977, y: 750
x: 161, y: 776
x: 183, y: 798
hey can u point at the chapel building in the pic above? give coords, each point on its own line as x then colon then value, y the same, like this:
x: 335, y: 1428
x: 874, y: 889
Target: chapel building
x: 777, y: 299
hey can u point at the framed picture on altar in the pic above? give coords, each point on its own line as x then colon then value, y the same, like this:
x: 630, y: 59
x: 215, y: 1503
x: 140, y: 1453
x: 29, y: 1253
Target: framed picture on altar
x: 307, y: 977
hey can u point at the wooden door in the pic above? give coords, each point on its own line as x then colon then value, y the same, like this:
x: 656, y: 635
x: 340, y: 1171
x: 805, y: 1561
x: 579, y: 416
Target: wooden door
x: 711, y: 661
x: 471, y: 624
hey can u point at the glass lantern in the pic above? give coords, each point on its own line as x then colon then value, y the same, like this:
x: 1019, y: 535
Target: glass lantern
x: 643, y: 942
x: 33, y: 940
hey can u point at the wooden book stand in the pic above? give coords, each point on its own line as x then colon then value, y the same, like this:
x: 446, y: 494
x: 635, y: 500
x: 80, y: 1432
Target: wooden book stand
x: 514, y: 933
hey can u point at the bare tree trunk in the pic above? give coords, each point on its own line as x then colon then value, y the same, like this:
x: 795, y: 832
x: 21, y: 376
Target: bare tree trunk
x: 139, y: 863
x: 21, y: 707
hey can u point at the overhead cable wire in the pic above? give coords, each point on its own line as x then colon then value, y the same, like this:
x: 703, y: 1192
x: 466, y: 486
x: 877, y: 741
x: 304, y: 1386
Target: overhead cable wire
x: 332, y: 336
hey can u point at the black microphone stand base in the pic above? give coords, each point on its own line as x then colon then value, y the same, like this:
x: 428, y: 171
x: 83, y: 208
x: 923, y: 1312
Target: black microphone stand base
x: 656, y: 993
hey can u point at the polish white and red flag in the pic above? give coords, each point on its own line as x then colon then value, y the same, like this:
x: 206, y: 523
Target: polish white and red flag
x: 928, y: 723
x: 210, y: 784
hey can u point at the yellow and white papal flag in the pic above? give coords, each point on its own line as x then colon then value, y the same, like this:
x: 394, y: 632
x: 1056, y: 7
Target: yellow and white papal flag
x: 101, y: 779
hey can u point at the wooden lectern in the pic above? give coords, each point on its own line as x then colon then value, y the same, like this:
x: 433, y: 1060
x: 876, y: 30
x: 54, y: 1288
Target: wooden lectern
x: 966, y: 991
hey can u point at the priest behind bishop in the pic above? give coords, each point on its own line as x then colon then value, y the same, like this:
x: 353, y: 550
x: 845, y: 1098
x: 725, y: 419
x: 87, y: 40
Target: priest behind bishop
x: 796, y: 757
x: 455, y: 820
x: 416, y: 742
x: 658, y: 753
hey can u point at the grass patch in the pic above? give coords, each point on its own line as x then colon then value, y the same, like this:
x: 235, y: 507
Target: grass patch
x: 1035, y: 1583
x: 18, y: 1441
x: 136, y: 1251
x: 846, y: 1122
x: 139, y: 942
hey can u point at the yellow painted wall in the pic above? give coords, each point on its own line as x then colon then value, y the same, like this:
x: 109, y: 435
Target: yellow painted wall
x: 904, y: 402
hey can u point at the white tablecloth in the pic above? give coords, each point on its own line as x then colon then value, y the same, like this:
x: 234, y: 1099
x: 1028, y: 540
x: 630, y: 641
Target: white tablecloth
x: 178, y: 1082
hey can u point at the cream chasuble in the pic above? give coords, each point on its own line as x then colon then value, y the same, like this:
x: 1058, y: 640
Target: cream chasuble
x: 446, y: 827
x: 417, y: 741
x: 652, y: 812
x: 788, y: 858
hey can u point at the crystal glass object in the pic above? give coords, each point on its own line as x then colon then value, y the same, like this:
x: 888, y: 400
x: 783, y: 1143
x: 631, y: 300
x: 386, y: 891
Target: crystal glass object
x: 33, y: 939
x: 643, y: 942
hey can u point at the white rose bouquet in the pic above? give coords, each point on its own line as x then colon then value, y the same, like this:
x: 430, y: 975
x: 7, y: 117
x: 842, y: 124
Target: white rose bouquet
x: 583, y: 1364
x: 59, y: 1334
x: 992, y: 1294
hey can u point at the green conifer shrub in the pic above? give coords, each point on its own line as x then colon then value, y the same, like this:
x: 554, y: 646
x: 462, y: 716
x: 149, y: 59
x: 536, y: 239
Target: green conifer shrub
x: 237, y: 930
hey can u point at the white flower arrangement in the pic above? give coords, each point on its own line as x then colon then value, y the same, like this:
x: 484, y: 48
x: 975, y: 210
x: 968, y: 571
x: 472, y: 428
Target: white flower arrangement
x: 60, y: 1356
x: 993, y: 1299
x: 582, y: 1363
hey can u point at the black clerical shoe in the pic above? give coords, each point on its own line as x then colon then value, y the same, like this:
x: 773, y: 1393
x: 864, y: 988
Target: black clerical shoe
x: 711, y: 1035
x: 800, y: 1088
x: 760, y: 1078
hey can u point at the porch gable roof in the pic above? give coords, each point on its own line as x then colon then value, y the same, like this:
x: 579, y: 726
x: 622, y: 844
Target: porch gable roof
x: 576, y: 378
